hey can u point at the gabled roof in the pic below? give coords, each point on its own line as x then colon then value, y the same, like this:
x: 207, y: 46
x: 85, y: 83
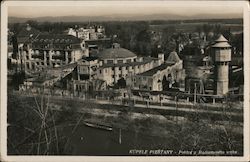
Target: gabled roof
x: 90, y: 58
x: 153, y: 71
x: 115, y: 52
x: 57, y: 39
x: 173, y: 57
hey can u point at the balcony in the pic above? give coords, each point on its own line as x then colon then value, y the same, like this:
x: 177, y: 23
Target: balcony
x: 38, y: 56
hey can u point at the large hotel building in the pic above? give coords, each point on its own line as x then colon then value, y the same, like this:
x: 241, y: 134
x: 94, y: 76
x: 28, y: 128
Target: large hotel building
x: 41, y: 51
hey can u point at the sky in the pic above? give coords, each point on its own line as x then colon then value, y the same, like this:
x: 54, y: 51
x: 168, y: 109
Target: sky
x: 121, y: 9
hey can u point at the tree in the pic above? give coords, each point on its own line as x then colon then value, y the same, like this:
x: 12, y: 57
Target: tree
x: 32, y: 23
x: 121, y: 83
x: 15, y: 46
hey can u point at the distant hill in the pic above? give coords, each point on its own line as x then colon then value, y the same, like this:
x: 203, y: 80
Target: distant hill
x: 122, y: 18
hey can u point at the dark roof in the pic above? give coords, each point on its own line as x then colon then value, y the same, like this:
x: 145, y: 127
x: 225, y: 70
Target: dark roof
x: 56, y: 42
x: 153, y: 71
x: 90, y: 58
x: 114, y: 53
x: 103, y: 42
x: 144, y: 61
x: 56, y: 39
x: 97, y: 40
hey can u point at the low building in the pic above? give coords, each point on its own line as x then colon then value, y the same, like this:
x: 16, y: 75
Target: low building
x: 90, y: 33
x: 161, y: 77
x: 48, y: 77
x: 87, y: 68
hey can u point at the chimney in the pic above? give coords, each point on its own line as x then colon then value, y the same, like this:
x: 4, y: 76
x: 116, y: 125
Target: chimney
x: 76, y: 30
x: 100, y: 63
x: 161, y: 57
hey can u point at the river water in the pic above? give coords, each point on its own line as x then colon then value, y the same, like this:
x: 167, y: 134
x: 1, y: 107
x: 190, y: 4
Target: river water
x: 92, y: 141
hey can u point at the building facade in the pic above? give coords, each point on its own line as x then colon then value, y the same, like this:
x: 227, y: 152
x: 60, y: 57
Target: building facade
x: 222, y: 58
x: 90, y: 33
x: 163, y: 76
x: 45, y: 50
x: 114, y: 64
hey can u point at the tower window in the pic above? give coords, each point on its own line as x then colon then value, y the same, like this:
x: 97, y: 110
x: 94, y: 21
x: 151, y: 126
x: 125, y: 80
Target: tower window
x: 110, y: 61
x: 120, y: 61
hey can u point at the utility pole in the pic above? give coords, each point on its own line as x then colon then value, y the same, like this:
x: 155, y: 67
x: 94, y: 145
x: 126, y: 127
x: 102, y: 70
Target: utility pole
x: 176, y: 111
x: 194, y: 93
x: 120, y: 136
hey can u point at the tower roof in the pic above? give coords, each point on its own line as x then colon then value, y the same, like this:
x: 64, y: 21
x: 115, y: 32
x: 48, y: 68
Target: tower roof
x: 221, y: 39
x: 173, y: 57
x: 221, y: 42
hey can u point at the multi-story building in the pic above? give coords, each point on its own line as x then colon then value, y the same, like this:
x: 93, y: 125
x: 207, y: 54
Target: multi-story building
x: 40, y: 50
x: 116, y: 63
x: 93, y: 38
x: 91, y: 33
x: 87, y: 68
x: 161, y: 77
x: 53, y: 50
x: 95, y: 71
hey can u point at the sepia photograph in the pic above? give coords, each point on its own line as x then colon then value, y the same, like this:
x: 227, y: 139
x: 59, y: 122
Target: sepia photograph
x: 124, y: 79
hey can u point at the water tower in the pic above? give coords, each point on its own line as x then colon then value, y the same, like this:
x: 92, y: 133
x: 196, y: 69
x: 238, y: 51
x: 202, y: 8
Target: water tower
x: 222, y: 57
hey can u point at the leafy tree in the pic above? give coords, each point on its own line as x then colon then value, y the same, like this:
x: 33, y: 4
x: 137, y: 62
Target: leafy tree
x: 32, y: 23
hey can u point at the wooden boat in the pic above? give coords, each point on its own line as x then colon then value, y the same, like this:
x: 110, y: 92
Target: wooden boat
x: 97, y: 125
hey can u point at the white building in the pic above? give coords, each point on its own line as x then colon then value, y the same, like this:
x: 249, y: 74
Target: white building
x: 113, y: 64
x: 91, y: 33
x: 45, y: 50
x: 161, y: 77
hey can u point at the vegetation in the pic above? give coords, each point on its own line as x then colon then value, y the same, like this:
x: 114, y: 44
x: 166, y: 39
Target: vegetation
x: 148, y: 38
x: 36, y: 129
x: 182, y: 131
x: 33, y: 128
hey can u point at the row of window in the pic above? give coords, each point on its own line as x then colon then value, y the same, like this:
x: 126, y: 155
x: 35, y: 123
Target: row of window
x: 120, y: 68
x: 121, y: 61
x: 33, y: 65
x: 127, y: 67
x: 53, y: 57
x: 120, y: 76
x: 222, y: 63
x: 53, y: 52
x: 53, y: 46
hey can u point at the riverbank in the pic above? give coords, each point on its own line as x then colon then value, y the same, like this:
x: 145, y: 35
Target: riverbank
x: 166, y: 129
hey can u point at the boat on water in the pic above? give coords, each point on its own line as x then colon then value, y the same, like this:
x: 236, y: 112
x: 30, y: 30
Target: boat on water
x: 99, y: 126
